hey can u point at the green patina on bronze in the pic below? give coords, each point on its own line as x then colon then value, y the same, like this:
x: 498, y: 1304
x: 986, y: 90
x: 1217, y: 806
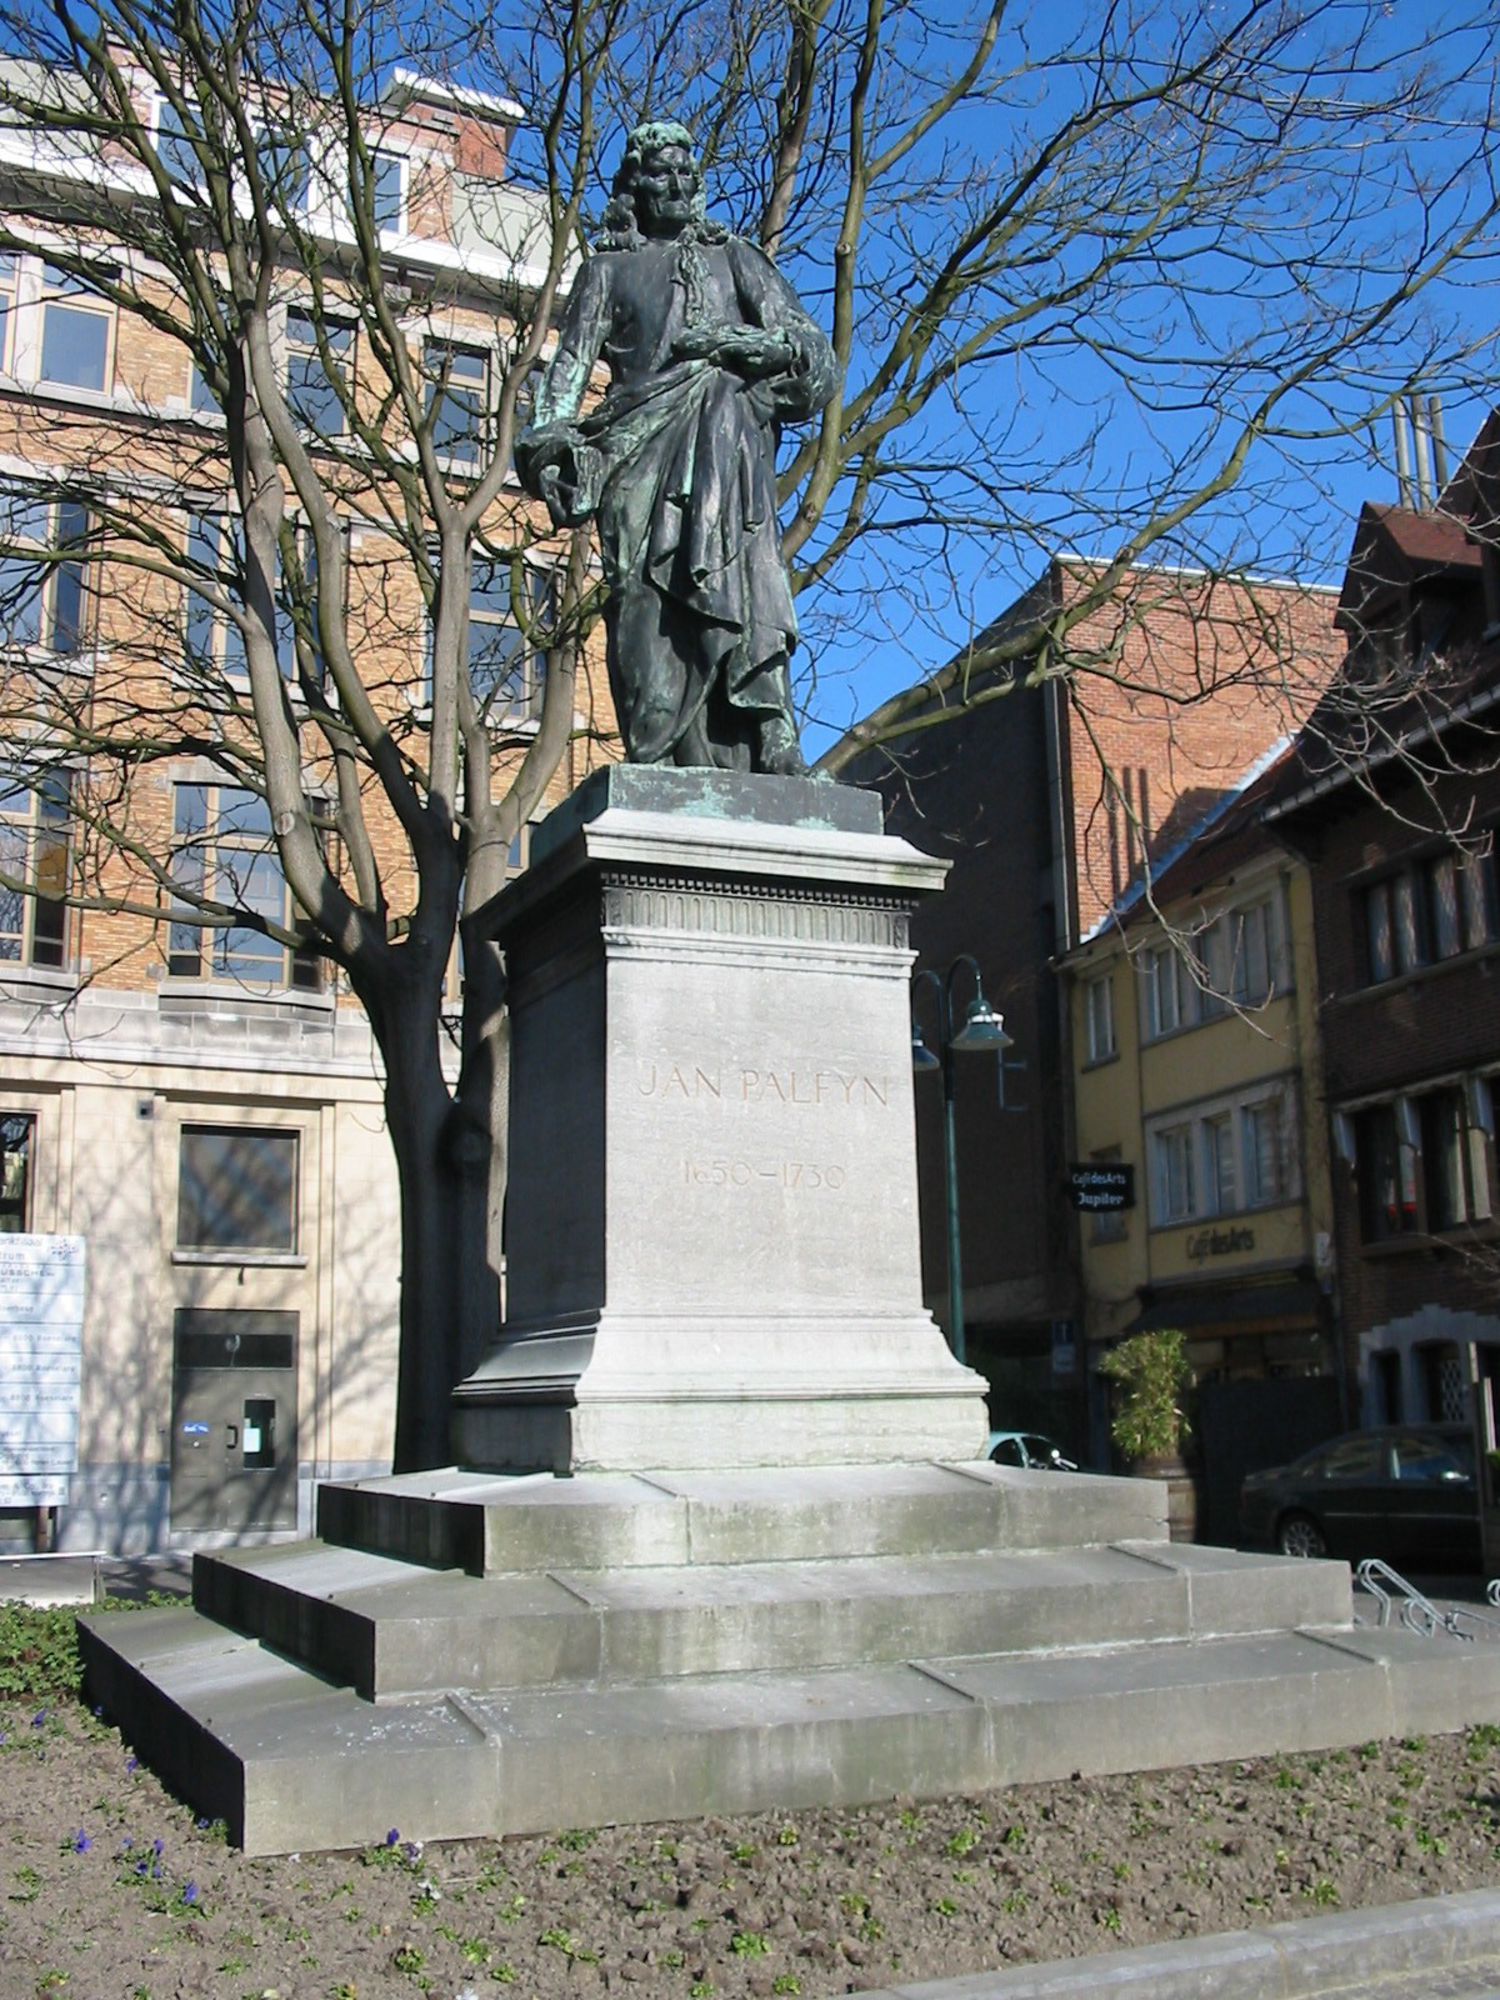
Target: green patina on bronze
x: 709, y: 352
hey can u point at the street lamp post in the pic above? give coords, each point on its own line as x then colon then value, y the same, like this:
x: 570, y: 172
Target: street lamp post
x: 982, y: 1029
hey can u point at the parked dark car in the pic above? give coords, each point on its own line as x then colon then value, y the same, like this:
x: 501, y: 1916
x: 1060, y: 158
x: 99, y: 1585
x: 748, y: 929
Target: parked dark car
x: 1405, y: 1493
x: 1028, y: 1448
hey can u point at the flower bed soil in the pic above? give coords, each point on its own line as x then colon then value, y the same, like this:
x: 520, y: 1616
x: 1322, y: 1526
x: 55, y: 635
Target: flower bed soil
x: 109, y: 1890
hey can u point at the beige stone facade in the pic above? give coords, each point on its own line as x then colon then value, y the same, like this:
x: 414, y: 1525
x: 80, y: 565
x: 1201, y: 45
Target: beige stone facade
x: 205, y: 1109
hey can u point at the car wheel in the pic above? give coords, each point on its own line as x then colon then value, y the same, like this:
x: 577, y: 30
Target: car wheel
x: 1300, y: 1535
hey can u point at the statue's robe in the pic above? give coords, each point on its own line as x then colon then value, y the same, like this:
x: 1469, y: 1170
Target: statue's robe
x: 678, y: 467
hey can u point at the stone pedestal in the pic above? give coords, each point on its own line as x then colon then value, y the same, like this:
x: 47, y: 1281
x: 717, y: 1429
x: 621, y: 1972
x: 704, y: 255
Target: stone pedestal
x: 712, y: 1252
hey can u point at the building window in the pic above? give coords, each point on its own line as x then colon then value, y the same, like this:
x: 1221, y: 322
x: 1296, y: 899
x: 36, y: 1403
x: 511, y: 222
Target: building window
x: 35, y: 852
x: 1099, y: 1003
x: 458, y: 400
x: 42, y: 584
x: 1171, y: 990
x: 1221, y: 1180
x: 1173, y: 1173
x: 75, y: 332
x: 507, y: 670
x: 1225, y: 1157
x: 388, y: 190
x: 237, y: 1190
x: 315, y: 392
x: 215, y: 643
x: 285, y: 168
x: 1435, y: 909
x: 223, y: 852
x: 7, y: 310
x: 1110, y: 1225
x: 201, y: 399
x: 1387, y: 1173
x: 1261, y: 1147
x: 17, y: 1133
x: 175, y: 149
x: 1249, y: 943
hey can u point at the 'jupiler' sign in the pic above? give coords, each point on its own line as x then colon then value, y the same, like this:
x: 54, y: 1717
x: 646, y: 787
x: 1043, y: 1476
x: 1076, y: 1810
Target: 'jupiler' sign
x: 41, y: 1345
x: 1095, y: 1185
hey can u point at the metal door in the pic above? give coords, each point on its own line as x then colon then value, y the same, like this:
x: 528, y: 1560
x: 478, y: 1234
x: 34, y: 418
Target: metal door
x: 234, y: 1421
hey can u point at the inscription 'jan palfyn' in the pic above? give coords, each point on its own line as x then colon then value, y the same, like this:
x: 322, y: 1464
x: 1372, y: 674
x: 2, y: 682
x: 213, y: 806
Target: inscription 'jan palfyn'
x: 811, y: 1087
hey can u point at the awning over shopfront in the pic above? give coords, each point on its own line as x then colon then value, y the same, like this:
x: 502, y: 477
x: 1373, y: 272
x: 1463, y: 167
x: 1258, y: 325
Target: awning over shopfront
x: 1230, y: 1309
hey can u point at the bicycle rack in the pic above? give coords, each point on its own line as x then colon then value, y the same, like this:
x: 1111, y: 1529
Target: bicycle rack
x: 1418, y: 1613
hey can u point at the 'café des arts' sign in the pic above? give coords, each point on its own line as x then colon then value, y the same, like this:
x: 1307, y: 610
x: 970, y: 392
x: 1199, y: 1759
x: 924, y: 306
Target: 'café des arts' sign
x: 1204, y: 1243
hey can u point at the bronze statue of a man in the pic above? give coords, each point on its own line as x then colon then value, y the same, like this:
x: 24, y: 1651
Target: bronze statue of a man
x: 708, y: 352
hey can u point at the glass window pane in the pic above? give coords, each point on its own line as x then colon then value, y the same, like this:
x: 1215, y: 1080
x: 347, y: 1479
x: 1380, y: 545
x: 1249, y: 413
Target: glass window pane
x: 237, y: 1190
x: 1380, y: 941
x: 75, y: 346
x: 284, y: 168
x: 1442, y: 897
x: 16, y: 1131
x: 386, y: 180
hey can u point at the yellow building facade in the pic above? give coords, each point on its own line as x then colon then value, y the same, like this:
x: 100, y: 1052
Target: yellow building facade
x: 1195, y: 1067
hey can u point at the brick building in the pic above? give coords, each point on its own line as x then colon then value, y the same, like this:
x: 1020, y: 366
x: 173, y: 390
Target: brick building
x: 1052, y: 801
x: 1394, y: 809
x: 204, y: 1106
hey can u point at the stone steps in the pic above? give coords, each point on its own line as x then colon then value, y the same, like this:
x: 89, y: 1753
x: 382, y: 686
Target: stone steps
x: 392, y: 1629
x: 486, y: 1525
x: 293, y: 1763
x: 571, y: 1652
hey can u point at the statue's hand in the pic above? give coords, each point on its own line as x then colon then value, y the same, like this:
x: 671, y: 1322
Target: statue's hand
x: 746, y: 350
x: 541, y: 450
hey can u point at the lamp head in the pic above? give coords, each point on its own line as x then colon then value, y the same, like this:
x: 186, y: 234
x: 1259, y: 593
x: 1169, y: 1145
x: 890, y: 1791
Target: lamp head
x: 983, y: 1028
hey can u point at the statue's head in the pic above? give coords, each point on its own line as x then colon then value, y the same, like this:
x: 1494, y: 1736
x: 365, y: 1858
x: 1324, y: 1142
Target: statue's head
x: 658, y: 189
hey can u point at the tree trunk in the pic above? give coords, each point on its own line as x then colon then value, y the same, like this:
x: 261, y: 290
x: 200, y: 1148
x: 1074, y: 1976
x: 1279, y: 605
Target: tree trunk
x: 448, y: 1289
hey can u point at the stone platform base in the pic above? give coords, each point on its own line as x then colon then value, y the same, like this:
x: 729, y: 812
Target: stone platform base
x: 466, y: 1655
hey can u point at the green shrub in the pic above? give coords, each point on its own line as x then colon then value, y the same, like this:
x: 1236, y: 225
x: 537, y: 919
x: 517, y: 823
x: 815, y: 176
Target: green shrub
x: 38, y: 1651
x: 39, y: 1645
x: 1153, y: 1376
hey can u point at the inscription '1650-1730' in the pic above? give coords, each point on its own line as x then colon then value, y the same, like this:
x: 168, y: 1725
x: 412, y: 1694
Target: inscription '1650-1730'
x: 810, y: 1087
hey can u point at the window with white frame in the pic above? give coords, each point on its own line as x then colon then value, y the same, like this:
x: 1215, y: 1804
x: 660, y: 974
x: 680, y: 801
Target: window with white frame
x: 215, y: 642
x: 175, y: 148
x: 223, y: 852
x: 507, y: 667
x: 43, y: 571
x: 1424, y: 1164
x: 458, y: 400
x: 281, y: 153
x: 201, y: 399
x: 7, y: 311
x: 388, y: 178
x: 1099, y: 1009
x: 76, y: 329
x: 17, y: 1144
x: 1238, y: 959
x: 1226, y: 1156
x: 316, y: 388
x: 36, y: 859
x: 1174, y: 1176
x: 1169, y: 990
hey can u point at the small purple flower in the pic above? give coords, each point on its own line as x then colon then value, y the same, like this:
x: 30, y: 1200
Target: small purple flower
x: 81, y: 1842
x: 413, y: 1852
x: 143, y: 1868
x: 190, y: 1892
x: 132, y: 1764
x: 158, y: 1846
x: 126, y: 1844
x: 393, y: 1838
x: 39, y: 1720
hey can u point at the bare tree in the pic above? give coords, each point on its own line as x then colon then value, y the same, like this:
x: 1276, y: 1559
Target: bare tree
x: 1173, y: 211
